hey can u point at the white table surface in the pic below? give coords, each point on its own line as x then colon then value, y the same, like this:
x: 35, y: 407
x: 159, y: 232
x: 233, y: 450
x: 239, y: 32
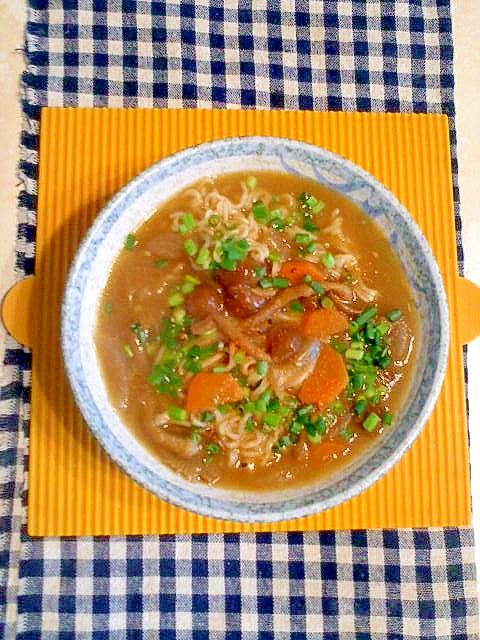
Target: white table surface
x: 466, y: 37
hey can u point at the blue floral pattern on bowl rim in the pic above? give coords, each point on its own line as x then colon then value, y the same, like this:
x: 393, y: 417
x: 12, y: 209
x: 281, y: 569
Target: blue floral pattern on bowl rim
x: 133, y: 204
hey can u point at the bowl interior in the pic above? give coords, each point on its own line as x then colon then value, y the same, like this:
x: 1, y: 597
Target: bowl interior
x: 136, y: 202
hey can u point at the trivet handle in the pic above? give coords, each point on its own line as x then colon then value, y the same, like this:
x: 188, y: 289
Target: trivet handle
x: 466, y: 307
x: 18, y: 311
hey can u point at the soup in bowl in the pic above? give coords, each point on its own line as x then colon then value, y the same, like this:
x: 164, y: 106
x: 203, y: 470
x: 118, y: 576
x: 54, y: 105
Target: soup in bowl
x: 255, y: 329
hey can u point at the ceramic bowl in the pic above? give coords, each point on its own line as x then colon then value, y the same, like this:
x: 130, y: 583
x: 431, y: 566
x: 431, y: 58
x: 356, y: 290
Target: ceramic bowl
x: 132, y: 205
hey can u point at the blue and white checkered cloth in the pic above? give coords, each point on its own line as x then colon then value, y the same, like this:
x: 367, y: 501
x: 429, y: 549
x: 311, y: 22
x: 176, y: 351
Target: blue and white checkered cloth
x: 344, y: 54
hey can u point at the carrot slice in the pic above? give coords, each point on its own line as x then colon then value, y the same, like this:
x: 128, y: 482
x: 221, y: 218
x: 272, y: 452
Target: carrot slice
x: 296, y: 270
x: 328, y: 380
x: 323, y: 323
x: 207, y: 390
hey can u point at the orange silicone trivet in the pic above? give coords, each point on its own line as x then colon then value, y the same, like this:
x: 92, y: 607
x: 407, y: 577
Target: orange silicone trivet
x: 86, y: 155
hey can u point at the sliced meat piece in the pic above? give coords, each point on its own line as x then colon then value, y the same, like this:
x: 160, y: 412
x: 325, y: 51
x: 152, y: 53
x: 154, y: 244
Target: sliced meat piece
x: 284, y: 342
x: 279, y: 300
x: 182, y: 445
x: 243, y: 274
x: 233, y: 330
x: 243, y: 296
x: 203, y: 301
x: 292, y: 373
x: 401, y: 342
x: 242, y: 300
x: 168, y: 245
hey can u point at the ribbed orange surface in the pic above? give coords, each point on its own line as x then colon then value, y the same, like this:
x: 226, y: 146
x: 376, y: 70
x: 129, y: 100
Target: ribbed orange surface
x: 85, y: 156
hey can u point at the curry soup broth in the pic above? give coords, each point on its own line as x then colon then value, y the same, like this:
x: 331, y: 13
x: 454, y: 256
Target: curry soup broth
x: 152, y: 266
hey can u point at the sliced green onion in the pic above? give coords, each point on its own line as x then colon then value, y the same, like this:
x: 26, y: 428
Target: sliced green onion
x: 296, y: 428
x: 141, y: 334
x: 354, y: 354
x: 175, y: 299
x: 328, y: 260
x: 384, y: 362
x: 314, y: 437
x: 262, y: 368
x: 387, y: 418
x: 274, y: 404
x: 249, y: 425
x: 224, y: 408
x: 239, y: 358
x: 187, y: 223
x: 179, y: 315
x: 302, y: 238
x: 360, y: 406
x: 307, y: 280
x: 337, y: 407
x: 262, y: 401
x: 280, y: 283
x: 311, y: 248
x: 219, y: 369
x: 213, y: 220
x: 190, y: 247
x: 318, y: 207
x: 266, y: 283
x: 356, y: 344
x: 160, y: 263
x: 327, y: 303
x: 165, y: 379
x: 319, y: 290
x: 260, y: 212
x: 370, y: 422
x: 284, y: 441
x: 371, y: 391
x: 365, y: 316
x: 213, y: 449
x: 272, y: 419
x: 130, y: 242
x: 260, y: 272
x: 303, y: 197
x: 251, y: 182
x: 305, y: 409
x: 187, y: 287
x: 176, y: 413
x: 382, y: 328
x: 394, y: 315
x: 370, y: 332
x: 309, y: 226
x: 296, y: 306
x: 346, y: 434
x: 203, y: 258
x: 228, y: 264
x: 338, y: 346
x: 207, y: 416
x: 195, y: 434
x: 107, y: 308
x: 278, y: 224
x: 358, y: 381
x: 127, y: 350
x: 274, y: 257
